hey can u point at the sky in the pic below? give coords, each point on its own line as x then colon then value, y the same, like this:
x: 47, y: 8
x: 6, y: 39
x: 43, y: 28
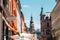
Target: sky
x: 33, y: 7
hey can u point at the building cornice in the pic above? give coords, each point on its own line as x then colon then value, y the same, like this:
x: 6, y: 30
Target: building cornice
x: 56, y: 8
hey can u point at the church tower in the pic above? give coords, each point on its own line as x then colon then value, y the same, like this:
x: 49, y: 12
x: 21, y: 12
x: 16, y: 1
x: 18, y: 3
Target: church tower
x: 41, y: 15
x: 31, y: 25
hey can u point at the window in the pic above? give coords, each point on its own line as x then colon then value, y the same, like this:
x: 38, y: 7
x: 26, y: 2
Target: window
x: 42, y: 24
x: 48, y: 32
x: 47, y: 24
x: 43, y: 32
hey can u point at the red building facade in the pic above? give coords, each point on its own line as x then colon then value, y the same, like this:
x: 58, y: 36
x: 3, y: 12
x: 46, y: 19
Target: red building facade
x: 45, y: 26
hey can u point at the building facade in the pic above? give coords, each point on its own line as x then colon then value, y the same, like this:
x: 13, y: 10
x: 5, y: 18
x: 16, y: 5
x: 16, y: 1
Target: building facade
x: 45, y: 26
x: 55, y: 21
x: 11, y: 18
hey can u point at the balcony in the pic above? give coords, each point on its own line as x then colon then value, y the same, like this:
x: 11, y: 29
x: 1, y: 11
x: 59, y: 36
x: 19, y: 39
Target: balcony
x: 9, y: 16
x: 5, y: 9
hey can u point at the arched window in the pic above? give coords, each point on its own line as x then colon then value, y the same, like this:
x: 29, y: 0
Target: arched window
x: 47, y: 24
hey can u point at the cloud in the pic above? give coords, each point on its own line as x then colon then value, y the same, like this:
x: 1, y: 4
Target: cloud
x: 37, y: 24
x: 25, y: 6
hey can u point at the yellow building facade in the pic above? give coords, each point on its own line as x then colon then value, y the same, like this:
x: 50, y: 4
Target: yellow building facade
x: 55, y: 20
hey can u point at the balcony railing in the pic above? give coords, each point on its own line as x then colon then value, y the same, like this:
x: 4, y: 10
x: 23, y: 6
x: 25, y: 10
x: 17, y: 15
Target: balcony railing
x: 8, y: 13
x: 5, y: 9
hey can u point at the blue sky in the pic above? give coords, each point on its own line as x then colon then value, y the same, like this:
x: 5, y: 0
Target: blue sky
x: 34, y: 7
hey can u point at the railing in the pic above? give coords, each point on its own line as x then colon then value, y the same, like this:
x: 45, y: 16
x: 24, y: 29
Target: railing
x: 5, y: 9
x: 8, y: 13
x: 8, y: 23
